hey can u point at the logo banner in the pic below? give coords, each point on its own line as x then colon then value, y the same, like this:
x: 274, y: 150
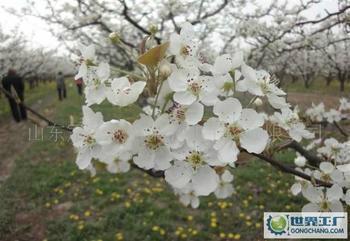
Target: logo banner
x: 288, y: 225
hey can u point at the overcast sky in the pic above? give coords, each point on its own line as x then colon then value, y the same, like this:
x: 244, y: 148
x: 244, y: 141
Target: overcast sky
x: 37, y: 31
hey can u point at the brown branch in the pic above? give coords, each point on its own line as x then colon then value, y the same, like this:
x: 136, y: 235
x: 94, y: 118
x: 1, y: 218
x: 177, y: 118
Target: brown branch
x: 210, y: 14
x: 151, y: 172
x: 312, y: 159
x: 329, y: 15
x: 341, y: 130
x: 135, y: 23
x: 284, y: 168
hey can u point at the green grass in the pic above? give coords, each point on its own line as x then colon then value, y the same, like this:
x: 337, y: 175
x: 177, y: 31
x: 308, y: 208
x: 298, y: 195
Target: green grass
x: 318, y: 86
x: 131, y: 206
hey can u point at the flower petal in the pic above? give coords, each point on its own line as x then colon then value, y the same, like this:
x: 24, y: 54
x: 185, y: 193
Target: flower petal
x: 254, y: 140
x: 205, y: 181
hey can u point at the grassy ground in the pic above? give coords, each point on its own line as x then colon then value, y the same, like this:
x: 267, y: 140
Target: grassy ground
x: 48, y: 198
x: 318, y: 86
x: 31, y: 96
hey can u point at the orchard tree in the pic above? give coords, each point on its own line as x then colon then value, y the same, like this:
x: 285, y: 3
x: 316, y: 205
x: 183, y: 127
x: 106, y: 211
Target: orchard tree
x: 30, y: 63
x: 194, y: 153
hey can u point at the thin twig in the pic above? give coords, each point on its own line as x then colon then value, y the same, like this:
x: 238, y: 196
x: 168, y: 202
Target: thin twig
x: 279, y: 165
x: 341, y: 130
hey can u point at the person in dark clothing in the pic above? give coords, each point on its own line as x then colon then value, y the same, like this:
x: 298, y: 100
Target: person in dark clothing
x: 12, y: 80
x: 79, y: 83
x: 61, y: 86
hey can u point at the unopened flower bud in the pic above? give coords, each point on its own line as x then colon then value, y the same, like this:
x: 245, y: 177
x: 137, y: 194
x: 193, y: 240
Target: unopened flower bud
x: 258, y: 102
x: 300, y: 161
x: 165, y: 70
x: 114, y: 37
x: 153, y: 29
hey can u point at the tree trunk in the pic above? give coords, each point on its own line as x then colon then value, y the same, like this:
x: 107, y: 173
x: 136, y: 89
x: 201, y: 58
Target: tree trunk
x: 342, y: 84
x: 306, y: 83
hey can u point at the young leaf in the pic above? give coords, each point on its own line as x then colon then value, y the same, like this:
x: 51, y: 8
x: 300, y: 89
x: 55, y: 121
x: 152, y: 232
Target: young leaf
x: 153, y: 56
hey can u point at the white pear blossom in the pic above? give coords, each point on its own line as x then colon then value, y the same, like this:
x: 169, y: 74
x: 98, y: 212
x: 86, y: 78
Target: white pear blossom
x: 335, y: 151
x: 300, y: 161
x: 123, y: 93
x: 289, y: 121
x: 316, y: 112
x: 84, y: 138
x: 222, y: 69
x: 95, y: 81
x: 151, y: 144
x: 344, y: 104
x: 225, y: 187
x: 119, y: 164
x: 181, y: 117
x: 189, y: 87
x: 225, y: 63
x: 329, y: 173
x: 261, y: 83
x: 333, y: 115
x: 148, y: 110
x: 235, y: 126
x: 192, y: 164
x: 184, y: 45
x: 115, y: 136
x: 87, y: 59
x: 188, y: 196
x: 323, y: 201
x: 225, y: 84
x: 301, y: 184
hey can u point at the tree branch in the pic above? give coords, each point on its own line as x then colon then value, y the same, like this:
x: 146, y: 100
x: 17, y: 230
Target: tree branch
x: 313, y: 160
x: 341, y: 130
x: 284, y: 168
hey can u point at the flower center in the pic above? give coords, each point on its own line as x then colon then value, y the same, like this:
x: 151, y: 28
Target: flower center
x: 233, y: 131
x: 264, y: 87
x: 335, y: 150
x: 293, y: 119
x: 178, y: 114
x: 185, y: 51
x: 120, y: 136
x: 96, y: 82
x: 154, y: 141
x: 324, y: 205
x: 195, y: 158
x: 89, y: 140
x: 267, y: 82
x: 195, y: 88
x: 326, y: 177
x: 89, y: 62
x: 228, y: 86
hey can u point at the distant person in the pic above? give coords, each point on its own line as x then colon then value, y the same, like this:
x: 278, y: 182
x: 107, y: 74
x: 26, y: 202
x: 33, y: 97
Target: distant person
x: 79, y: 83
x: 15, y: 82
x: 61, y: 86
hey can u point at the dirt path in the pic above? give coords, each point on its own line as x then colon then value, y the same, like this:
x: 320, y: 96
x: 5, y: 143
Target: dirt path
x: 14, y: 137
x: 304, y: 100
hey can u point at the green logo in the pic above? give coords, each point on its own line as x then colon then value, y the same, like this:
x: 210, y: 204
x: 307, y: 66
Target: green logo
x: 277, y: 224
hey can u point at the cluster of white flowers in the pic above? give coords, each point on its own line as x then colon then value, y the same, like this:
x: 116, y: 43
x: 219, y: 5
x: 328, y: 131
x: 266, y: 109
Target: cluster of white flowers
x: 317, y: 113
x: 289, y: 120
x: 172, y: 134
x: 334, y: 168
